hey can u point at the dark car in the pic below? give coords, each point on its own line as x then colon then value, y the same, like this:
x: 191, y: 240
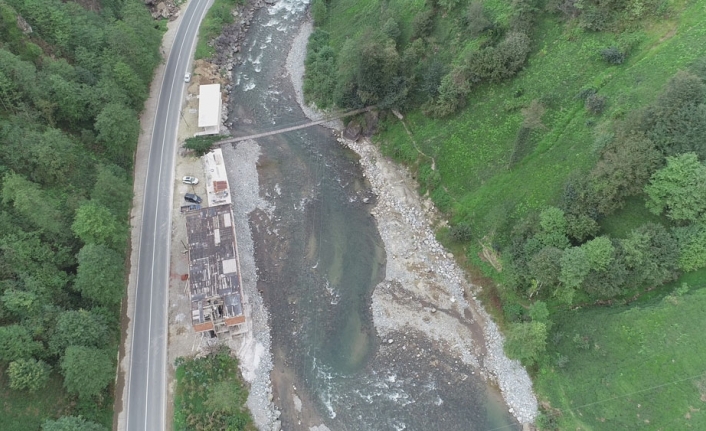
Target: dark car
x: 190, y: 197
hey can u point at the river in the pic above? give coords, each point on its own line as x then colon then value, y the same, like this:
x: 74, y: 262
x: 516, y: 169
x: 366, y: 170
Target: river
x: 319, y: 256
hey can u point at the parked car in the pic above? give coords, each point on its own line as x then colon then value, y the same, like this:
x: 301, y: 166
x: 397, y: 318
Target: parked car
x: 190, y: 180
x: 190, y: 197
x: 187, y: 77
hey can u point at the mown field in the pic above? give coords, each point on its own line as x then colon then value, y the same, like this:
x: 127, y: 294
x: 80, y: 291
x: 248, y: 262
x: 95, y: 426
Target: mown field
x: 636, y: 359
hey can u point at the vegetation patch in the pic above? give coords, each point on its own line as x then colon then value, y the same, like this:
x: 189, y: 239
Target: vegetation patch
x: 567, y: 143
x: 210, y: 395
x: 72, y: 82
x: 219, y: 15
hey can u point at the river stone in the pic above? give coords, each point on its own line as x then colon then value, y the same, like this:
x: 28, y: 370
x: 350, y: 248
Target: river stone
x: 353, y: 130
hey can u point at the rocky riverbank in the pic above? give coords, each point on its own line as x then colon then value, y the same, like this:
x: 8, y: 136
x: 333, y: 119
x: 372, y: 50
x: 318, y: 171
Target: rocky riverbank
x: 424, y: 294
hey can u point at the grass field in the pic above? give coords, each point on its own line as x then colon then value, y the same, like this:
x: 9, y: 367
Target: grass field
x: 630, y: 368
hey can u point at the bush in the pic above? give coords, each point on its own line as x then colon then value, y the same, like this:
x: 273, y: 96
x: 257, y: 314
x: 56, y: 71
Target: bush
x: 613, y: 55
x: 461, y: 232
x: 476, y: 20
x: 29, y: 374
x: 595, y: 104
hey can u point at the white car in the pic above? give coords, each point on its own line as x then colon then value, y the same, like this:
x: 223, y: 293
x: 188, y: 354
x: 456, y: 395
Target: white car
x: 187, y: 77
x: 190, y: 180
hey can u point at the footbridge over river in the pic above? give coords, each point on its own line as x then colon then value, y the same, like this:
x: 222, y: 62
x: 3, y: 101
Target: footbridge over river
x: 298, y: 127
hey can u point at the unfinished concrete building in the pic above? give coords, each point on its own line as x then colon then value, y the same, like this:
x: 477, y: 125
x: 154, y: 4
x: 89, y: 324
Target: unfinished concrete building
x: 215, y: 283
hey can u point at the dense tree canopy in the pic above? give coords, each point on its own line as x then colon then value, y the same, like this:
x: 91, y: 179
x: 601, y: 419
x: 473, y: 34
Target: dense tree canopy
x: 70, y: 94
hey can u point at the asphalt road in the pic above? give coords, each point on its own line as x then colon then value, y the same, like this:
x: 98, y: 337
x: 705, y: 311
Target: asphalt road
x: 146, y: 386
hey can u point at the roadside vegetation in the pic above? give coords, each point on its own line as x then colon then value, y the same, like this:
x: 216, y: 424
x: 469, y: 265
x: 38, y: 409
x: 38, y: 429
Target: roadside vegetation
x: 566, y: 143
x: 218, y: 16
x: 74, y: 76
x: 210, y: 395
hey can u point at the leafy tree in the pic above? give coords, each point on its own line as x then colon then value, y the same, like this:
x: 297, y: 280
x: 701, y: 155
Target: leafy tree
x: 20, y: 303
x: 650, y: 254
x: 100, y: 275
x: 545, y: 266
x: 29, y: 374
x: 526, y: 342
x: 319, y: 12
x: 118, y: 128
x: 79, y: 328
x: 422, y: 24
x: 581, y: 227
x: 539, y: 312
x: 692, y: 246
x: 679, y: 189
x: 16, y: 343
x: 623, y: 170
x: 113, y: 190
x: 574, y: 266
x: 87, y: 370
x: 599, y: 252
x: 95, y: 224
x: 72, y: 423
x: 391, y: 29
x: 553, y: 228
x: 33, y: 203
x: 676, y: 122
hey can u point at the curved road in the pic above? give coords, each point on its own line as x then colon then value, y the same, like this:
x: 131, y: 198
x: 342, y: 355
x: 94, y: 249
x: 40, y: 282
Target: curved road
x: 147, y: 367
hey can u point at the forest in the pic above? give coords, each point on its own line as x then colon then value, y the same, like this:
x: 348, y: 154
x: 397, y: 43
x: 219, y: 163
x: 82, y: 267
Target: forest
x: 74, y: 76
x: 565, y: 142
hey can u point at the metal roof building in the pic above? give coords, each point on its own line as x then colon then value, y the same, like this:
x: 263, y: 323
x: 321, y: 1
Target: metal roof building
x: 215, y: 283
x: 210, y: 108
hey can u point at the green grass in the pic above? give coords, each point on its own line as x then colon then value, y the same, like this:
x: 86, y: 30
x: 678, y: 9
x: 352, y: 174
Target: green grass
x: 24, y: 411
x: 210, y: 393
x: 638, y: 367
x: 631, y: 216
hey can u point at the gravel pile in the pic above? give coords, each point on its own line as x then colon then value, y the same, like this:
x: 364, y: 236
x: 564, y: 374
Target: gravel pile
x: 424, y: 287
x: 254, y: 350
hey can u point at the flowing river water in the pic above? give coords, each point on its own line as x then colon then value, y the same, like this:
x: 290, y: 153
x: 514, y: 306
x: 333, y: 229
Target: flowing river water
x: 319, y: 256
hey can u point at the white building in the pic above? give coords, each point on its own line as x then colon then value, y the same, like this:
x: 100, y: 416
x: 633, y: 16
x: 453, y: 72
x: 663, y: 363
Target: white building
x: 210, y: 108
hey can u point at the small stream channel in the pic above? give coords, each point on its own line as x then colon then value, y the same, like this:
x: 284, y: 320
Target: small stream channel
x: 319, y: 256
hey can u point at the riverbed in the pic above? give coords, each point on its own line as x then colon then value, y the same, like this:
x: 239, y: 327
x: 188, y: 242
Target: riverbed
x: 368, y: 319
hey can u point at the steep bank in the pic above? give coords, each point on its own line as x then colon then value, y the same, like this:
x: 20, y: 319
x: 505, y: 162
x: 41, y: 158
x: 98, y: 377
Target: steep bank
x: 423, y: 290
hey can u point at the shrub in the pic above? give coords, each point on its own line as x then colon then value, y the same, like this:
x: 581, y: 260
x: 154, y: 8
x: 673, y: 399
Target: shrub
x: 476, y: 20
x: 461, y: 232
x: 29, y: 374
x: 595, y: 104
x: 613, y: 55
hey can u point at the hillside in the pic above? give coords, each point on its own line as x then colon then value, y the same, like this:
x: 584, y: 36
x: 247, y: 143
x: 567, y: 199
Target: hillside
x: 565, y: 143
x: 73, y: 80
